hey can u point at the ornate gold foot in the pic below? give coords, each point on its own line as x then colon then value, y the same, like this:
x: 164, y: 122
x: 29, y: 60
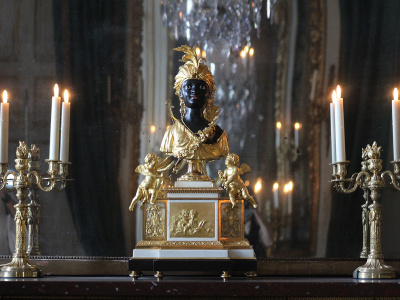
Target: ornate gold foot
x: 225, y: 275
x: 251, y: 274
x: 135, y: 274
x: 19, y: 267
x: 374, y: 269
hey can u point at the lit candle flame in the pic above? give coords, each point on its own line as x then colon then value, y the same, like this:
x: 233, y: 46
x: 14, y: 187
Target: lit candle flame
x: 153, y: 128
x: 258, y: 186
x: 286, y: 188
x: 396, y: 94
x: 251, y: 51
x: 246, y: 48
x: 203, y: 54
x: 275, y: 186
x: 198, y: 51
x: 333, y: 96
x: 242, y: 54
x: 297, y: 125
x: 338, y: 92
x: 5, y: 96
x: 56, y: 90
x: 290, y: 186
x: 66, y: 96
x: 278, y: 125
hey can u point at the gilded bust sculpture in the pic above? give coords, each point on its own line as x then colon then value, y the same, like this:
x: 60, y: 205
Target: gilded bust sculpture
x: 195, y: 136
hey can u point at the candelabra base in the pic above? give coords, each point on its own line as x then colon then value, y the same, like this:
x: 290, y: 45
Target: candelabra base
x: 374, y: 269
x: 19, y: 267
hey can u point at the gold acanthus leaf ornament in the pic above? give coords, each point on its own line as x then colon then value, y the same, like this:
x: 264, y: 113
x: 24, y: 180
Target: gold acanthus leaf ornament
x: 22, y: 151
x: 34, y: 155
x: 372, y: 152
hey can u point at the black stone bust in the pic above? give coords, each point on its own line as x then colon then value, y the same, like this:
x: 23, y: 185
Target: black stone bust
x: 195, y: 93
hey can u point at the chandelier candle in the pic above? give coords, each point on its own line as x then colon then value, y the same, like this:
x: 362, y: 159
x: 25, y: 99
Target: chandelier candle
x: 396, y: 125
x: 55, y: 125
x: 4, y: 121
x: 339, y: 127
x: 333, y: 136
x: 65, y: 119
x: 278, y: 134
x: 275, y: 190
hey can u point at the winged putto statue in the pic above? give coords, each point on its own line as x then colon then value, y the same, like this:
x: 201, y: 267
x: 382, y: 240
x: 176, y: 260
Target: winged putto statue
x: 232, y: 182
x: 152, y: 169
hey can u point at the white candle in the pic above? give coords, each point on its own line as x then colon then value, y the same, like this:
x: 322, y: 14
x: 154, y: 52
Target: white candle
x: 333, y: 136
x: 4, y: 122
x: 65, y: 121
x: 314, y: 85
x: 297, y: 127
x: 278, y: 134
x: 396, y: 125
x: 339, y: 128
x: 290, y: 197
x: 55, y: 125
x: 275, y: 191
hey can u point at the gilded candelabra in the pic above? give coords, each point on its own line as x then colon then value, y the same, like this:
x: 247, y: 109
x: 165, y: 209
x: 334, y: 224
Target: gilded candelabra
x: 278, y: 225
x: 26, y: 177
x: 371, y: 180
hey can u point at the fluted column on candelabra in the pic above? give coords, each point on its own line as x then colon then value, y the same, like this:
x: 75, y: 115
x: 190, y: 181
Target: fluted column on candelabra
x: 33, y: 206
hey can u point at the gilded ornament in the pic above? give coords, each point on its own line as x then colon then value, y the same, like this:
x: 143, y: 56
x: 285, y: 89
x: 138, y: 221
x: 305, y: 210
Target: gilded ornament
x: 152, y: 169
x: 186, y: 224
x: 155, y: 221
x: 230, y: 221
x: 232, y: 182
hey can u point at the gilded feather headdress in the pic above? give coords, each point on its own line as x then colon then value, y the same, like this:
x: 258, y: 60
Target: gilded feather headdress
x: 194, y: 68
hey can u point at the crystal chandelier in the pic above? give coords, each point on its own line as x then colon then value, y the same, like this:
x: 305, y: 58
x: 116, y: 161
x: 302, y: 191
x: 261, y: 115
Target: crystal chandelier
x: 204, y: 22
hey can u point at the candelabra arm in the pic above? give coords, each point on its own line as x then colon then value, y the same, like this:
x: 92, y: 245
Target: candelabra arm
x: 356, y: 180
x: 39, y: 181
x: 393, y: 181
x: 4, y: 181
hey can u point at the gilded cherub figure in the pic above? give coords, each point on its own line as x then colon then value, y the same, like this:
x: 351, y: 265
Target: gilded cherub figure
x: 232, y: 182
x: 153, y: 169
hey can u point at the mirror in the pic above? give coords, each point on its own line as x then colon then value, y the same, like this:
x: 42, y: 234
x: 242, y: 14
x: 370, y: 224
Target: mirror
x: 116, y: 59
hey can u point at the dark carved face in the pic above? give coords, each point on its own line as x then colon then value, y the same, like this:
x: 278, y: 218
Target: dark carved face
x: 194, y: 93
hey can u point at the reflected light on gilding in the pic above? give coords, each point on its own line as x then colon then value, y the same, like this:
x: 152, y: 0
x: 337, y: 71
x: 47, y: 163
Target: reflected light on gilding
x: 258, y: 186
x: 180, y: 15
x: 333, y: 96
x: 153, y: 128
x: 56, y: 90
x: 247, y: 183
x: 66, y: 96
x: 396, y: 94
x: 5, y: 96
x: 278, y: 125
x: 275, y: 186
x: 338, y: 92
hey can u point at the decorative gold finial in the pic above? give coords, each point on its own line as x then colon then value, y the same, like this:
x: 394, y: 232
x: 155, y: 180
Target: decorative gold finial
x: 373, y: 152
x: 22, y: 151
x: 34, y: 154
